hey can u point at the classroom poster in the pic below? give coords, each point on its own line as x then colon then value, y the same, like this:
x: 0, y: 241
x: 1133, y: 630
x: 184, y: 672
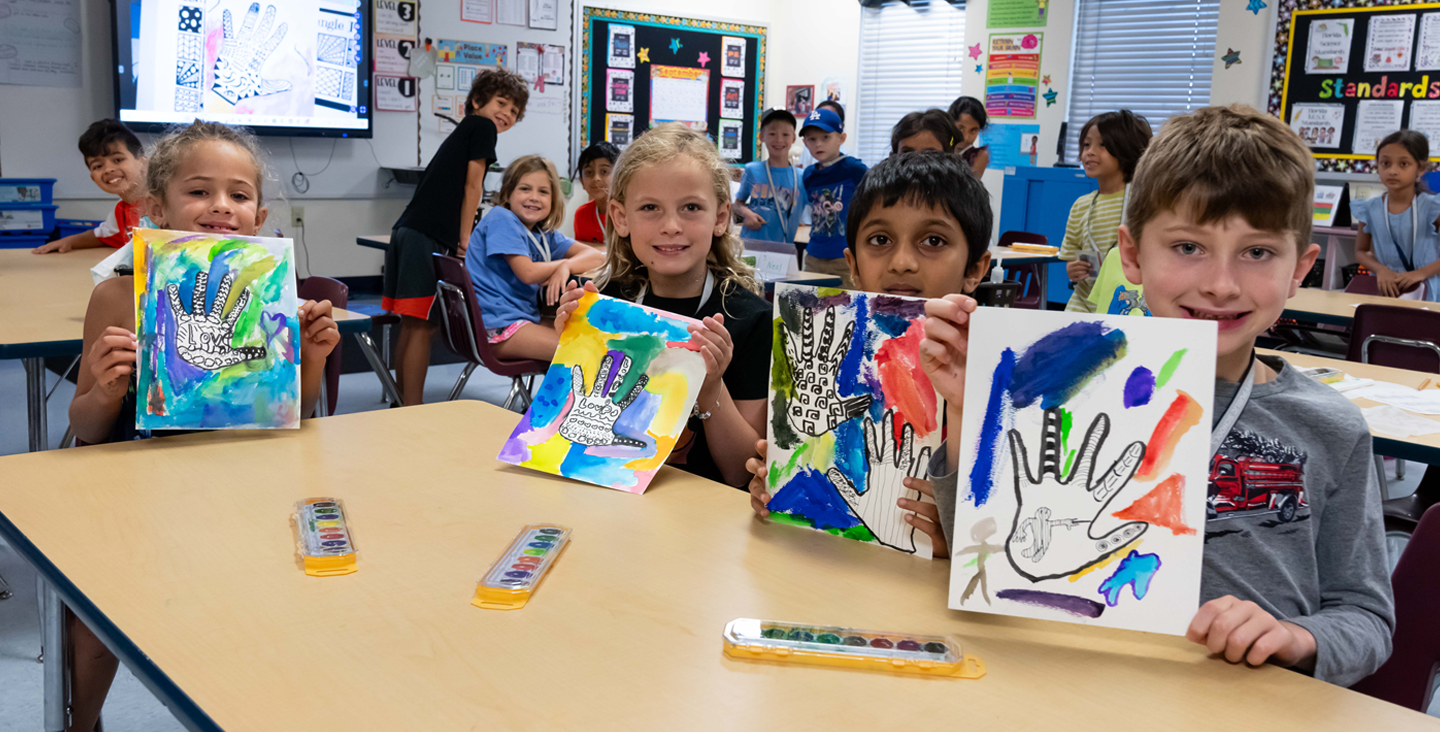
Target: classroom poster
x: 617, y: 397
x: 544, y: 15
x: 465, y: 77
x: 1425, y: 119
x: 445, y: 77
x: 619, y: 129
x: 471, y: 52
x: 1016, y: 13
x: 477, y: 11
x: 1008, y: 144
x: 40, y: 43
x: 219, y: 335
x: 527, y: 60
x: 510, y: 12
x: 395, y: 18
x: 679, y: 94
x: 1388, y: 43
x: 732, y: 98
x: 1085, y: 468
x: 1329, y: 48
x: 732, y: 52
x: 799, y: 100
x: 552, y: 64
x: 1427, y: 55
x: 1374, y: 119
x: 1319, y: 125
x: 1327, y: 204
x: 622, y: 46
x: 392, y: 54
x: 618, y: 83
x: 395, y: 93
x: 1012, y: 77
x: 731, y: 131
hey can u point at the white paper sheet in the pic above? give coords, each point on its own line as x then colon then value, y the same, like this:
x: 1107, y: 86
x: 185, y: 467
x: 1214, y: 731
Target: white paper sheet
x: 1397, y: 395
x: 1319, y: 125
x: 1388, y: 43
x: 40, y: 42
x: 1374, y: 119
x: 1329, y: 49
x: 1388, y: 420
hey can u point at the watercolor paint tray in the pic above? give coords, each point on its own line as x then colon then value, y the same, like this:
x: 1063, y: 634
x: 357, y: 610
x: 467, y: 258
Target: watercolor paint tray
x: 324, y: 540
x: 518, y: 572
x: 929, y: 655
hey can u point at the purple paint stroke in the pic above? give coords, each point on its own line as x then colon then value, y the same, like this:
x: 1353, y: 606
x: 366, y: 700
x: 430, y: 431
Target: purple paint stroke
x: 617, y: 358
x: 1080, y: 607
x: 1139, y: 387
x: 898, y: 306
x: 1056, y: 367
x: 982, y: 472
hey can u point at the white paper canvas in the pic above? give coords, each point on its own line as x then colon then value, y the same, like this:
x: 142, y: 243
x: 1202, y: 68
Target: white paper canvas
x: 1374, y: 119
x: 1329, y: 49
x: 1319, y: 125
x: 622, y: 46
x: 1388, y: 43
x: 1427, y: 56
x: 732, y: 56
x: 1084, y: 468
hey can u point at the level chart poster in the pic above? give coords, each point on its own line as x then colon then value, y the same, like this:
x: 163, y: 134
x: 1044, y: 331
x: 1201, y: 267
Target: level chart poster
x: 1012, y: 81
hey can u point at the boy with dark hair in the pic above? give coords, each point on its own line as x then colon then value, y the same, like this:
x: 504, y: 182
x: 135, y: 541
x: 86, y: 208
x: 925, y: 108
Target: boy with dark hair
x: 1110, y: 147
x: 594, y: 168
x: 768, y: 201
x: 1218, y: 228
x: 441, y: 215
x: 933, y: 129
x: 829, y: 183
x: 116, y: 161
x: 833, y: 106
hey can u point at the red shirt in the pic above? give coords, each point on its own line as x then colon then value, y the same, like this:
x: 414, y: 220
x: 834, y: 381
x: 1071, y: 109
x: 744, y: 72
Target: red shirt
x: 589, y: 224
x: 115, y: 230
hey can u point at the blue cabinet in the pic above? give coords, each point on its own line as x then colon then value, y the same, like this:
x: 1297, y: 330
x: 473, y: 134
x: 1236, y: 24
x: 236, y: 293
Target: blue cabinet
x: 1038, y: 200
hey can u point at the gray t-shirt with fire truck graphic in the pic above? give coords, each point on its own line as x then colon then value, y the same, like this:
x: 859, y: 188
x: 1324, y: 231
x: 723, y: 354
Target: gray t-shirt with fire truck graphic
x: 1295, y: 524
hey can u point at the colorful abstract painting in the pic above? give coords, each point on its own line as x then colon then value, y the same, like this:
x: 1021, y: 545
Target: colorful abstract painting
x: 1084, y: 468
x: 852, y: 414
x: 616, y: 399
x: 217, y: 321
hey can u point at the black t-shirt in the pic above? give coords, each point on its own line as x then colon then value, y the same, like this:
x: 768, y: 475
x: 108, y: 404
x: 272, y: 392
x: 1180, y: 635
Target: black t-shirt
x: 435, y: 209
x: 747, y: 317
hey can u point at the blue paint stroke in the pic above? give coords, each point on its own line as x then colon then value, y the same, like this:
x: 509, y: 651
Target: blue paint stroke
x: 1139, y: 387
x: 617, y: 316
x: 810, y: 494
x: 1058, y: 365
x: 1135, y: 570
x: 850, y: 451
x: 600, y: 470
x: 551, y: 397
x: 852, y: 381
x: 982, y: 473
x: 1077, y: 606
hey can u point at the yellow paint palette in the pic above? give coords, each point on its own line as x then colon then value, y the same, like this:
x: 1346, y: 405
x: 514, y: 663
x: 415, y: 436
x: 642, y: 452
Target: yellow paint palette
x: 325, y: 543
x: 515, y: 576
x: 904, y: 653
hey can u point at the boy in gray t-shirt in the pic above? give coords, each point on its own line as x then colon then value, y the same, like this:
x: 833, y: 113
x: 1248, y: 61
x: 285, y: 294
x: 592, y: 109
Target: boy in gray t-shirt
x: 1218, y: 228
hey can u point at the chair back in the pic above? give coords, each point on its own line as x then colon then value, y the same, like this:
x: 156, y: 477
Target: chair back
x: 1398, y: 337
x: 1408, y: 678
x: 997, y: 294
x: 1366, y: 284
x: 464, y: 325
x: 327, y: 288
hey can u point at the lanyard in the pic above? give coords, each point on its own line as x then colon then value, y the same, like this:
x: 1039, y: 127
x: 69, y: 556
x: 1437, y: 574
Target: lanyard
x: 794, y: 196
x: 599, y: 222
x: 542, y: 244
x: 704, y: 293
x: 1232, y: 412
x: 1090, y: 217
x: 1414, y: 230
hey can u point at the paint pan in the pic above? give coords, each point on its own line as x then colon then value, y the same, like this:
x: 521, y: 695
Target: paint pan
x: 905, y: 653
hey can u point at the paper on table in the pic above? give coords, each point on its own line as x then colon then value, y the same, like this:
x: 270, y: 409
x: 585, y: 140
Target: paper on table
x: 1398, y: 423
x: 1397, y: 395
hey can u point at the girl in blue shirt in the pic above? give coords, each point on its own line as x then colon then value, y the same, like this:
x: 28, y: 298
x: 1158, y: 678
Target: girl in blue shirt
x: 1397, y: 239
x: 515, y: 250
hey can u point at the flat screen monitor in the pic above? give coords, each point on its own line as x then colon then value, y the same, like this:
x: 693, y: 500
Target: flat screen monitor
x: 279, y: 67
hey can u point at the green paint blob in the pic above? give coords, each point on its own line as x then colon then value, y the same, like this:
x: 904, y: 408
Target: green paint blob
x: 773, y: 633
x: 1069, y: 458
x: 830, y: 638
x: 642, y: 349
x: 1168, y: 369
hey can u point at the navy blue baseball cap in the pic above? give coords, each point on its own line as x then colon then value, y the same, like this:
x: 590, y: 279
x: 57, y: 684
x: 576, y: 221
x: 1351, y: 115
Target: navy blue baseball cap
x: 824, y: 119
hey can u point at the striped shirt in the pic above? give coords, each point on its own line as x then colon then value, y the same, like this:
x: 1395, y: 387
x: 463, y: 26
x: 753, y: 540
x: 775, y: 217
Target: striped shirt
x: 1082, y: 229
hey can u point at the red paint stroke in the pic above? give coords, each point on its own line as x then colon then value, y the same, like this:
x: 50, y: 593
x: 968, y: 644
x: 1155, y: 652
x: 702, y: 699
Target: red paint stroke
x: 691, y: 345
x: 903, y: 381
x: 1182, y: 414
x: 1163, y: 506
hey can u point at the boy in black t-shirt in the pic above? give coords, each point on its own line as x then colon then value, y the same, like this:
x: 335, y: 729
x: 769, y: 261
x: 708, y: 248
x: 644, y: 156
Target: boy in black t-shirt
x: 441, y: 215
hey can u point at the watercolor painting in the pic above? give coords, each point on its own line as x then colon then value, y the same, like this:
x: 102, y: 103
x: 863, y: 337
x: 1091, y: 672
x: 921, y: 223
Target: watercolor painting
x: 617, y: 398
x: 1084, y: 468
x: 218, y: 324
x: 852, y: 414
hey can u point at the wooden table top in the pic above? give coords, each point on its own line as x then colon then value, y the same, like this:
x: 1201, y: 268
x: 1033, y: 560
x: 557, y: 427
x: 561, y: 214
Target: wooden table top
x: 185, y: 544
x: 1338, y: 306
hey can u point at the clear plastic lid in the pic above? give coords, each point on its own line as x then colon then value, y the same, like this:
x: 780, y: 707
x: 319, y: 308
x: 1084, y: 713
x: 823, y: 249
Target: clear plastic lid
x: 322, y: 528
x: 768, y: 636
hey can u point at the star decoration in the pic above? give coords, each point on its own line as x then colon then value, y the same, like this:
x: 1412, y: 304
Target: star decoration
x: 1231, y: 57
x: 644, y: 55
x: 1045, y: 80
x: 675, y: 45
x: 1049, y: 97
x: 975, y: 51
x: 979, y: 68
x: 1256, y: 6
x: 704, y: 59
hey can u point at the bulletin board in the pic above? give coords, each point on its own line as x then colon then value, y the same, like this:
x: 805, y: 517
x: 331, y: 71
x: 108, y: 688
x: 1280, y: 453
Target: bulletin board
x: 1347, y: 76
x: 638, y: 70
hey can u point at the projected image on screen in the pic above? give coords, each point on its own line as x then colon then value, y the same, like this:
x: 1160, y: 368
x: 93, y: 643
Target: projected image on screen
x: 297, y: 65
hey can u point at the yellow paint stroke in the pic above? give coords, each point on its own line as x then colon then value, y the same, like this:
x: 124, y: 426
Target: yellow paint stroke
x: 1121, y: 552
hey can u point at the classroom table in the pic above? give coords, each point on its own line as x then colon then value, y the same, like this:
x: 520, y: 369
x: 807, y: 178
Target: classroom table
x: 1421, y: 449
x: 1337, y: 307
x: 43, y: 299
x: 215, y: 616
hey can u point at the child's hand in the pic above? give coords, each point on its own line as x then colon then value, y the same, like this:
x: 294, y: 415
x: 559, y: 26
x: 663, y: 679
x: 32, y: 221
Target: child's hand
x: 1407, y: 281
x: 716, y: 347
x: 759, y: 496
x: 1243, y: 631
x: 1077, y: 270
x: 752, y: 220
x: 59, y: 247
x: 318, y: 333
x: 926, y: 517
x: 555, y: 286
x: 461, y: 248
x: 570, y: 301
x: 1389, y: 282
x: 112, y: 360
x: 944, y: 348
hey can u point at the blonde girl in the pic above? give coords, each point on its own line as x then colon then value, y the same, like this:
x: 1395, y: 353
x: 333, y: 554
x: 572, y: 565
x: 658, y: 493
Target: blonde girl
x: 669, y: 247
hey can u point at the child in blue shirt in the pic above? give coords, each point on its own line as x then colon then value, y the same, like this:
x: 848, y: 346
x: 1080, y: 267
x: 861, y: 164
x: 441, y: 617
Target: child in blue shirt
x: 771, y: 189
x: 829, y: 183
x: 1397, y: 239
x: 514, y: 251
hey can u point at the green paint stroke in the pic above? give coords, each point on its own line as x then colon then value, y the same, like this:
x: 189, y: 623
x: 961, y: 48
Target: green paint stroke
x: 1168, y: 369
x: 857, y: 533
x: 775, y: 477
x: 642, y: 348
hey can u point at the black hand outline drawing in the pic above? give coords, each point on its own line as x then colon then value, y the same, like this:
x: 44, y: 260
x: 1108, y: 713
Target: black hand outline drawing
x: 591, y: 419
x: 1053, y: 548
x: 203, y: 339
x: 887, y: 465
x: 817, y: 407
x: 237, y: 67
